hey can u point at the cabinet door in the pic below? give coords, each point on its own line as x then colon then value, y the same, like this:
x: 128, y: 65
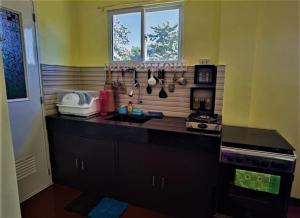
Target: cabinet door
x: 65, y: 159
x: 97, y: 165
x: 137, y: 181
x: 188, y: 180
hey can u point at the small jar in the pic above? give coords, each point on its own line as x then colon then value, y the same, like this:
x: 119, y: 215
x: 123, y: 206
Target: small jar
x: 208, y: 104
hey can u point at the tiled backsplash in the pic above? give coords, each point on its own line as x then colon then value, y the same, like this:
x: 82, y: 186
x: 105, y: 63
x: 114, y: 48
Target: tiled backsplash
x: 93, y: 78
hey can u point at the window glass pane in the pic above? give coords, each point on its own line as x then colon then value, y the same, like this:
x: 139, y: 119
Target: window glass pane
x: 12, y: 54
x: 162, y: 35
x: 127, y: 37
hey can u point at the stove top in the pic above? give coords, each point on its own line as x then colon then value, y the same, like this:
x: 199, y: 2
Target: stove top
x: 202, y: 122
x: 257, y: 148
x: 257, y: 139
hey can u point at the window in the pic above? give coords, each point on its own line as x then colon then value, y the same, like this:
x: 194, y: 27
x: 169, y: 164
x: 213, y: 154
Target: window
x: 13, y: 54
x: 149, y: 34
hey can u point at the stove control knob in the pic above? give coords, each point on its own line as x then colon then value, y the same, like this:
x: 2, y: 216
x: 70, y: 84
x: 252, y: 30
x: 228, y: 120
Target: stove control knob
x: 274, y: 165
x: 255, y: 162
x: 202, y: 126
x: 229, y: 158
x: 239, y: 160
x: 265, y: 163
x: 282, y: 166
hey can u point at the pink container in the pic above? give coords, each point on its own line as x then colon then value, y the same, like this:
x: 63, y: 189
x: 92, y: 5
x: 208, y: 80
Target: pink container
x: 103, y: 95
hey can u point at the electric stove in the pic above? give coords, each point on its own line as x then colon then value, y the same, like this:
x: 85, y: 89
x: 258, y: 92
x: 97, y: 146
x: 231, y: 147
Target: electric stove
x: 203, y: 122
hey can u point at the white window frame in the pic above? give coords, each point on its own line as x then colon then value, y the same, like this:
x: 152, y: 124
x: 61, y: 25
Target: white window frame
x: 143, y: 10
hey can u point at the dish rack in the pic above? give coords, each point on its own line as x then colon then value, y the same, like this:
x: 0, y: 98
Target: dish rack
x: 78, y: 102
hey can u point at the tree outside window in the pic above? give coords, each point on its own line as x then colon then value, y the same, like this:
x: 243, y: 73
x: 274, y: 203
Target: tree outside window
x: 161, y: 39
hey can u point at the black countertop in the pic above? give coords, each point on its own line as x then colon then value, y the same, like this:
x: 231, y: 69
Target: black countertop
x: 241, y: 137
x: 170, y: 124
x: 253, y: 138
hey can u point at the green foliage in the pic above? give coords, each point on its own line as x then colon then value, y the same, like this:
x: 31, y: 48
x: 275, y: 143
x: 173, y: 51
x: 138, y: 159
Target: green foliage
x: 120, y: 40
x: 135, y: 53
x: 162, y: 44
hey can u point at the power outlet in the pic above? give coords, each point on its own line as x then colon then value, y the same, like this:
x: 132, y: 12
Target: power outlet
x: 204, y: 61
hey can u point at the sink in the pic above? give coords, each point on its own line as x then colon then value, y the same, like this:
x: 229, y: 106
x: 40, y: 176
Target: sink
x: 129, y: 118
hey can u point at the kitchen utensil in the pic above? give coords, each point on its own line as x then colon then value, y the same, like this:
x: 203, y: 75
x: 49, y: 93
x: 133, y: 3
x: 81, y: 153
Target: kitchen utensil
x: 162, y: 93
x: 159, y: 75
x: 116, y: 84
x: 151, y: 81
x: 149, y: 89
x: 108, y: 83
x: 182, y: 81
x: 122, y: 88
x: 171, y: 86
x: 163, y: 76
x: 156, y: 79
x: 136, y: 85
x: 131, y: 93
x: 110, y: 101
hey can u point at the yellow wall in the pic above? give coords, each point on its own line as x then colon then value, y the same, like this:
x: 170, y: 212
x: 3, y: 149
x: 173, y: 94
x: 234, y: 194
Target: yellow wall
x: 236, y: 51
x: 275, y: 82
x: 257, y: 41
x: 93, y: 26
x: 201, y: 25
x: 58, y: 32
x: 75, y: 32
x: 201, y: 21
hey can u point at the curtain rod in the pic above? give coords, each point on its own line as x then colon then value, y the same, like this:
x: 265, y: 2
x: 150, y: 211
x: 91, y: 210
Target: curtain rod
x: 136, y: 4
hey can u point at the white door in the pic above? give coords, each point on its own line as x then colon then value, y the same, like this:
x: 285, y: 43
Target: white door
x: 21, y: 67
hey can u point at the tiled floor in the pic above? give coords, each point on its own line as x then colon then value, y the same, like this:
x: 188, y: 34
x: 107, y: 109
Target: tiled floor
x: 50, y: 204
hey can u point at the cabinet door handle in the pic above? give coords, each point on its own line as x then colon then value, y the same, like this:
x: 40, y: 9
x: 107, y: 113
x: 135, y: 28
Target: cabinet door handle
x: 162, y: 183
x: 153, y: 181
x: 82, y: 165
x: 76, y: 163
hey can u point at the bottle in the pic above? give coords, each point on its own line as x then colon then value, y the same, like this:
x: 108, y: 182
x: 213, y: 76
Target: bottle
x: 103, y: 102
x: 129, y: 107
x: 208, y: 104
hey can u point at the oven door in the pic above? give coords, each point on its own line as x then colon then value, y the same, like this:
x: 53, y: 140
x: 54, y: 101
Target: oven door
x: 251, y: 193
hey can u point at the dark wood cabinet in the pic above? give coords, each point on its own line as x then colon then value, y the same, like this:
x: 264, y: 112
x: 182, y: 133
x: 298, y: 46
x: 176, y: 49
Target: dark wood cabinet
x: 167, y: 172
x: 186, y: 181
x: 175, y: 181
x: 64, y: 150
x: 97, y: 164
x: 137, y: 183
x: 82, y: 163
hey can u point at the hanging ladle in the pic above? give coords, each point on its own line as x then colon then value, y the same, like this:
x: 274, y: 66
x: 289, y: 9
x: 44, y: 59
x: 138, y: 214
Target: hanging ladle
x: 149, y: 88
